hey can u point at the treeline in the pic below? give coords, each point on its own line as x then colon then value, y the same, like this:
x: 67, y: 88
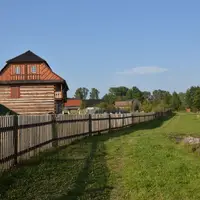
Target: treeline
x: 83, y: 93
x: 158, y: 100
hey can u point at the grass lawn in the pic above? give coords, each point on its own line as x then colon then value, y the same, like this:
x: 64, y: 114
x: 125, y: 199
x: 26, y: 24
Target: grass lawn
x: 139, y: 163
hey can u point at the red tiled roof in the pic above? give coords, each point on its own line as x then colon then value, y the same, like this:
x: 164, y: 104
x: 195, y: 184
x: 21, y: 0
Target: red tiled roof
x: 73, y: 102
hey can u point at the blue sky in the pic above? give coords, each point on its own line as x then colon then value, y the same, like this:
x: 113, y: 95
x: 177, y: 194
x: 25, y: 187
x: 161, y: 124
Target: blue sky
x: 103, y: 43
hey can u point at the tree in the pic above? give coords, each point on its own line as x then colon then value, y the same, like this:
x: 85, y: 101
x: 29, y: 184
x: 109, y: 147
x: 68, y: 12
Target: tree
x: 167, y: 98
x: 83, y: 105
x: 137, y: 94
x: 106, y: 107
x: 118, y: 92
x: 176, y: 102
x: 134, y: 93
x: 189, y: 97
x: 94, y: 93
x: 196, y: 100
x: 182, y: 97
x: 81, y: 93
x: 147, y: 106
x: 159, y: 95
x: 129, y: 94
x: 109, y: 98
x: 146, y: 95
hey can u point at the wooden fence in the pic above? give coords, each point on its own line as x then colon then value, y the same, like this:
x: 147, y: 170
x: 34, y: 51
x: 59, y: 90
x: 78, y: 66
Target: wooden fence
x: 22, y: 137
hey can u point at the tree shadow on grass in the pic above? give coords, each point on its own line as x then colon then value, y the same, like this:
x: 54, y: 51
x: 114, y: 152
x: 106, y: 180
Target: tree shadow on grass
x: 76, y: 171
x: 91, y: 182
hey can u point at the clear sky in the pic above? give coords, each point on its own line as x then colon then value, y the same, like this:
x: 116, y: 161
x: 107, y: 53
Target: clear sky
x: 151, y: 44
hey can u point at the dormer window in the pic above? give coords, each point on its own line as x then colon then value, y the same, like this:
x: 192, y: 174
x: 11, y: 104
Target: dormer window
x: 33, y: 69
x: 17, y: 70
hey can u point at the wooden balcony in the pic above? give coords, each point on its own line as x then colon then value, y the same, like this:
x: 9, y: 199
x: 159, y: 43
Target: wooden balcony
x: 58, y: 95
x: 17, y: 77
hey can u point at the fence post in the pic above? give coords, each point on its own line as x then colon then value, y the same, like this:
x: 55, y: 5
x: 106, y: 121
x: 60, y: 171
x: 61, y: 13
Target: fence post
x: 15, y: 138
x: 132, y: 117
x: 54, y: 132
x: 90, y: 124
x: 123, y: 120
x: 109, y: 122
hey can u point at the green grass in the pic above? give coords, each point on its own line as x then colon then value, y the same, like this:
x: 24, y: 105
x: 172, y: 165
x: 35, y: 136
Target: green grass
x: 184, y: 124
x: 139, y: 163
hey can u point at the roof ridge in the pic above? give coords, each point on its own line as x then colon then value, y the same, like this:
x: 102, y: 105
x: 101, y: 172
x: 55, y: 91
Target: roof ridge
x: 27, y: 56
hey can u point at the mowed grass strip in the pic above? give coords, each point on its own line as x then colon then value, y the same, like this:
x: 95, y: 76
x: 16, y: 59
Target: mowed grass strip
x: 136, y: 163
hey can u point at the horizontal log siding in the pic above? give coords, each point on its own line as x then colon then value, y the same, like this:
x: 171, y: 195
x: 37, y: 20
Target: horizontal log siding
x: 33, y: 99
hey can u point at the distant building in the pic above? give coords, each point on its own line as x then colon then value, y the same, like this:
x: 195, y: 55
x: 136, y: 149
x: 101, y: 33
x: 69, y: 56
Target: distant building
x: 72, y: 105
x: 188, y: 110
x: 133, y: 105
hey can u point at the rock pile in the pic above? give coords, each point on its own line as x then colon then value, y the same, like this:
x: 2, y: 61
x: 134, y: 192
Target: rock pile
x: 191, y: 140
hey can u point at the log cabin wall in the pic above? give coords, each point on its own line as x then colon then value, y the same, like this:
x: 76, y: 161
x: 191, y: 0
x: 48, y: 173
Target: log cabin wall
x: 32, y: 99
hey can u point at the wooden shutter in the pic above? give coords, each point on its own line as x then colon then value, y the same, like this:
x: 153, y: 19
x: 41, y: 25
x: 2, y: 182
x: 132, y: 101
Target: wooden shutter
x: 15, y: 91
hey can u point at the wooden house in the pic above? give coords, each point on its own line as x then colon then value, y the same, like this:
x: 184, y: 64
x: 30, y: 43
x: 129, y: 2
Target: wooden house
x: 29, y: 86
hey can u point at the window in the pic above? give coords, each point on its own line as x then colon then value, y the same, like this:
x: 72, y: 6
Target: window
x: 15, y: 91
x: 17, y: 70
x: 33, y: 69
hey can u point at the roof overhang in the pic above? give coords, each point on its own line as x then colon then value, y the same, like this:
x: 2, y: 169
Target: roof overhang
x: 31, y: 82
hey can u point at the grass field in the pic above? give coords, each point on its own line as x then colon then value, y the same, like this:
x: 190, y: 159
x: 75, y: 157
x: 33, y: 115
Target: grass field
x: 139, y: 163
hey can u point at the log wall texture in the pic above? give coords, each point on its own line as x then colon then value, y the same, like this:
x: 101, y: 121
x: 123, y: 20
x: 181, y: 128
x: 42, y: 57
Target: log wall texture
x: 33, y: 99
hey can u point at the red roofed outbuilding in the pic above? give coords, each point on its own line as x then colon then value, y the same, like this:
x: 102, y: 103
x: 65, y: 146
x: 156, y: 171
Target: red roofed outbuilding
x: 72, y: 104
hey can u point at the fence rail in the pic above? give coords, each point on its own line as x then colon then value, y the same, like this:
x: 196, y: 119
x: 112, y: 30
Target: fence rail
x: 24, y: 136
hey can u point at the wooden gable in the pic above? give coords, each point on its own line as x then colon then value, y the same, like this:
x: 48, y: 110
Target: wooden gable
x: 28, y: 66
x: 24, y: 72
x: 47, y: 73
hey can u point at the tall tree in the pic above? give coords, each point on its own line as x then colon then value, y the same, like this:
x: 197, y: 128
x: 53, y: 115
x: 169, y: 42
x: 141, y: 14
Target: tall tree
x: 134, y: 93
x: 196, y: 100
x: 176, y: 102
x: 159, y: 95
x: 81, y: 93
x: 94, y: 93
x: 109, y: 98
x: 182, y: 97
x: 189, y: 97
x: 137, y: 94
x: 146, y: 95
x: 167, y: 98
x: 118, y: 92
x: 129, y: 94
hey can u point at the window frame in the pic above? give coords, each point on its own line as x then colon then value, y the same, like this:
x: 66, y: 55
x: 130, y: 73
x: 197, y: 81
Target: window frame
x: 17, y: 70
x: 15, y: 92
x: 35, y: 69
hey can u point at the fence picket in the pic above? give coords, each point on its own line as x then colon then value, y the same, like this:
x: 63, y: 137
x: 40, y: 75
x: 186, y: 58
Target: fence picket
x: 33, y: 134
